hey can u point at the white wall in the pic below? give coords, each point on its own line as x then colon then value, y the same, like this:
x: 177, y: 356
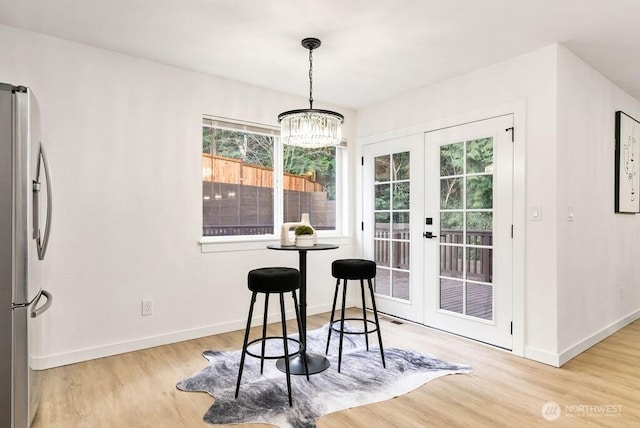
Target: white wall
x: 533, y: 77
x: 124, y: 139
x: 597, y: 252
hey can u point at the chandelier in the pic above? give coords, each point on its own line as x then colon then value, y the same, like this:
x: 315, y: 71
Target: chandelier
x: 309, y: 127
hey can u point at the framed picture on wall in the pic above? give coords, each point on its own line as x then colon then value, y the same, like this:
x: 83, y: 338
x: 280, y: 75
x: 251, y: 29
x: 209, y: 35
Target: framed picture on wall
x: 627, y: 181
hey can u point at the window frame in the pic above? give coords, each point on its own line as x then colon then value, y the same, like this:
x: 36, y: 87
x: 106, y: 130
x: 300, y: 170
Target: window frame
x: 249, y: 242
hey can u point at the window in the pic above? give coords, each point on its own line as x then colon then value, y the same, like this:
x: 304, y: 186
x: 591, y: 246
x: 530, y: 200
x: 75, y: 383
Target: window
x: 251, y: 184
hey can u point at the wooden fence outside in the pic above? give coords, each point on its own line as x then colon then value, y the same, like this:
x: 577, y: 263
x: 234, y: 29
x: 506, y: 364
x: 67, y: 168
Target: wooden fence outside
x: 219, y: 169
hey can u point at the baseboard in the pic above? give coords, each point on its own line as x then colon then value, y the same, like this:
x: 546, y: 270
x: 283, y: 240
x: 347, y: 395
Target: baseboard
x: 542, y: 356
x: 558, y: 360
x: 587, y: 343
x: 86, y: 354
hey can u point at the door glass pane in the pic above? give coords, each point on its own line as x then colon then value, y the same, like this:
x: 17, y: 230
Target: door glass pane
x: 401, y: 196
x: 480, y: 156
x: 383, y: 196
x: 401, y: 166
x: 401, y: 225
x: 480, y: 192
x: 451, y: 159
x: 401, y: 254
x: 382, y: 166
x: 451, y: 227
x: 451, y: 193
x: 382, y: 252
x: 383, y: 281
x: 401, y: 284
x: 451, y: 295
x: 451, y: 261
x: 383, y: 225
x: 479, y: 302
x: 479, y: 264
x: 479, y: 226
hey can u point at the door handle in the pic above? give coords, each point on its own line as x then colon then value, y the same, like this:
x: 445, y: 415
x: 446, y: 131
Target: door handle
x: 42, y: 242
x: 38, y: 311
x: 429, y: 235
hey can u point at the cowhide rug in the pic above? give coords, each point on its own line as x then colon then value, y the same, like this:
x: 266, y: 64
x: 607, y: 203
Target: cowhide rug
x: 263, y: 398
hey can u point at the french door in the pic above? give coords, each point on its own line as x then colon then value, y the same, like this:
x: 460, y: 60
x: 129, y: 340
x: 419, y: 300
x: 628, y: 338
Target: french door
x: 437, y: 211
x: 468, y: 254
x: 392, y: 206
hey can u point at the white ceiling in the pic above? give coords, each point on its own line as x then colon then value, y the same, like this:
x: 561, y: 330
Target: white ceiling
x: 371, y: 49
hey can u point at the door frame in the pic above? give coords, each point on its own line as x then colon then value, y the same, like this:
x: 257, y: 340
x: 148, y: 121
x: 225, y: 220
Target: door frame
x: 518, y: 109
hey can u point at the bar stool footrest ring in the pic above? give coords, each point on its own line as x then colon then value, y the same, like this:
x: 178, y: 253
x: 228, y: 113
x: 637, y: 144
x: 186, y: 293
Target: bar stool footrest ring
x: 275, y: 357
x: 362, y: 320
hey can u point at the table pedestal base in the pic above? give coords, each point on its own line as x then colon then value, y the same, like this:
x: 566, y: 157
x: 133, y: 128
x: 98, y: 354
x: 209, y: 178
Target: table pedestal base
x: 316, y: 364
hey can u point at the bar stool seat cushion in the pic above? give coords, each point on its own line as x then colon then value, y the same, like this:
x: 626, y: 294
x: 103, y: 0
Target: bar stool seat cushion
x: 353, y: 269
x: 274, y: 280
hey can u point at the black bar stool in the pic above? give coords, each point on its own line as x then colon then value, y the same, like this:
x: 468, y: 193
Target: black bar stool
x: 273, y: 280
x: 357, y: 269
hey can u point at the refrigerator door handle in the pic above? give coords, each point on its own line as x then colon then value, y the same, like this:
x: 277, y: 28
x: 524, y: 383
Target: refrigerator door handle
x: 42, y: 243
x: 37, y: 311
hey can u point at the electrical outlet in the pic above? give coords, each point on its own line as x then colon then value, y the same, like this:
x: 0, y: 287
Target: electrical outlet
x: 147, y: 307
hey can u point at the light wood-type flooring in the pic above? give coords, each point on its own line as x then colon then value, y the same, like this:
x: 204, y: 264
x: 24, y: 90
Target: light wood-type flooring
x: 600, y: 387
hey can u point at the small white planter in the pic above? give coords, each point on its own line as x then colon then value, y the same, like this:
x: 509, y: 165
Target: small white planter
x: 304, y: 240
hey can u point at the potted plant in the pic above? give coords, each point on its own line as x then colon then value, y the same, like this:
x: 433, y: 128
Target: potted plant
x: 304, y: 236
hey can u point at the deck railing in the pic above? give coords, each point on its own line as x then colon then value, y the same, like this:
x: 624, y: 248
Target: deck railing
x: 479, y: 258
x: 236, y: 230
x: 246, y: 230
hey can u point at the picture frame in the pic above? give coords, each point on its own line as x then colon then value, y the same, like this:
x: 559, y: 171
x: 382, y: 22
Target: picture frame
x: 627, y: 159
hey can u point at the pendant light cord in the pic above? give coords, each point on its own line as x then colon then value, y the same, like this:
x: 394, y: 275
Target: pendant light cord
x: 311, y: 78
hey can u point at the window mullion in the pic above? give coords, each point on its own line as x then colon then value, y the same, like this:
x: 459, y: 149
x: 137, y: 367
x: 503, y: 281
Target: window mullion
x: 278, y: 187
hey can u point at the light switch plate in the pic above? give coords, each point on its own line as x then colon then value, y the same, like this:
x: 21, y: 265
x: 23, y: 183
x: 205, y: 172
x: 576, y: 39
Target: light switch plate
x: 536, y: 213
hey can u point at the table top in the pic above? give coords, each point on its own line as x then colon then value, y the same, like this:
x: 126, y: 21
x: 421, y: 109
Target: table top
x: 316, y: 247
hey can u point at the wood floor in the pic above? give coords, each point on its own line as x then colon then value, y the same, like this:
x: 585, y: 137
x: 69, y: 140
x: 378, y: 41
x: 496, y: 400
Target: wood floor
x: 600, y: 387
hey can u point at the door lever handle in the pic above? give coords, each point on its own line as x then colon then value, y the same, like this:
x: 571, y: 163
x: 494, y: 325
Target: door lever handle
x: 429, y: 235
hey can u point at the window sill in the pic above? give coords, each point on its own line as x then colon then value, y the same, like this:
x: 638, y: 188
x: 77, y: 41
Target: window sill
x: 252, y: 243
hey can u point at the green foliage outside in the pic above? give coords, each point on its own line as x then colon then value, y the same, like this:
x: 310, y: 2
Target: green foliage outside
x: 479, y: 160
x: 253, y: 149
x: 318, y: 164
x: 392, y: 168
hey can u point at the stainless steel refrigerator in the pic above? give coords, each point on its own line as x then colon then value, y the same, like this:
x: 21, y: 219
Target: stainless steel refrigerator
x: 25, y: 225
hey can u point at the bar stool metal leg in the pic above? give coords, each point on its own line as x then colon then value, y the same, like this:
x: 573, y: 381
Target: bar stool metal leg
x: 375, y: 314
x: 364, y: 314
x: 344, y: 300
x: 333, y: 312
x: 264, y: 329
x: 246, y: 340
x: 286, y: 347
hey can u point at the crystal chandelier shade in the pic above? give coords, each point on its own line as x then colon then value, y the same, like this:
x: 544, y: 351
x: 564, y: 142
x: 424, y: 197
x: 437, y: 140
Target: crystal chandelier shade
x: 311, y: 128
